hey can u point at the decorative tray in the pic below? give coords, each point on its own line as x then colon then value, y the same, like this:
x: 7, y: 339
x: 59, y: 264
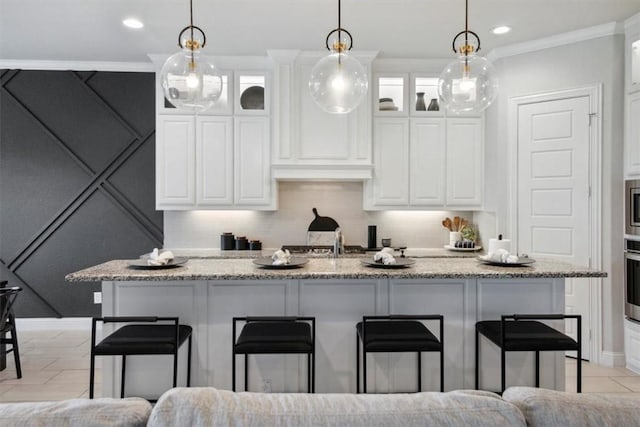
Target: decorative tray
x: 400, y: 263
x: 522, y: 261
x: 453, y: 248
x: 267, y: 262
x: 141, y: 264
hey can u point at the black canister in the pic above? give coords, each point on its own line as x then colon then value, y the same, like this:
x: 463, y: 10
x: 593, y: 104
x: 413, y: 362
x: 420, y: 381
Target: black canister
x: 242, y: 244
x: 255, y: 245
x: 372, y: 241
x: 227, y: 242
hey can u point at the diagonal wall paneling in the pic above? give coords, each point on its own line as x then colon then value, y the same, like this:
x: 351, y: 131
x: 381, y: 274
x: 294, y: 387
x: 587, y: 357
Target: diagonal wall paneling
x: 76, y: 181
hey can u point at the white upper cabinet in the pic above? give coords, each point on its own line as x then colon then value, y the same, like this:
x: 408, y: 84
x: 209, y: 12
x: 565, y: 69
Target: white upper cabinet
x: 214, y: 161
x: 220, y: 158
x: 310, y: 142
x: 391, y: 151
x: 632, y: 137
x: 175, y: 161
x: 465, y: 159
x: 632, y: 104
x: 252, y: 162
x: 422, y: 159
x: 632, y: 53
x: 427, y: 162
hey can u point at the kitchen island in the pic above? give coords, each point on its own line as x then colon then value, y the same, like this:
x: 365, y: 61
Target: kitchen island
x: 207, y: 293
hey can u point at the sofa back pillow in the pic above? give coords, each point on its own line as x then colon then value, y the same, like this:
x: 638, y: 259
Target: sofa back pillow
x: 556, y: 408
x: 105, y: 412
x: 211, y: 407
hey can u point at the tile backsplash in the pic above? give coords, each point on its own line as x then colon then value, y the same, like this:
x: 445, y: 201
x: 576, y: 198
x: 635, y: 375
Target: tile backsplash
x: 341, y: 201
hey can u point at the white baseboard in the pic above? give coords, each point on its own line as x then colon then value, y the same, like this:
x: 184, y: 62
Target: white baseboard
x: 612, y: 359
x: 57, y: 324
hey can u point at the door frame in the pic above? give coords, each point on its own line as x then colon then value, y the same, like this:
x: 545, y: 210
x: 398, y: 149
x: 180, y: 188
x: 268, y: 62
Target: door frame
x: 594, y: 93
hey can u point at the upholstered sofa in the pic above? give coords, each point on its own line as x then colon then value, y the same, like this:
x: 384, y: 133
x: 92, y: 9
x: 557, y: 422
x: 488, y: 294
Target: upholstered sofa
x: 519, y: 406
x: 105, y: 412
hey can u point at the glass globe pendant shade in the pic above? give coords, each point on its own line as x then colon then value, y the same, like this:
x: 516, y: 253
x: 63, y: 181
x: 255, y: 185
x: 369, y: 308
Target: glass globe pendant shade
x: 338, y: 83
x: 190, y: 81
x: 468, y: 84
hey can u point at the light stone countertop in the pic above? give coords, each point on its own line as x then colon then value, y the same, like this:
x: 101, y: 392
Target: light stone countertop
x: 328, y: 268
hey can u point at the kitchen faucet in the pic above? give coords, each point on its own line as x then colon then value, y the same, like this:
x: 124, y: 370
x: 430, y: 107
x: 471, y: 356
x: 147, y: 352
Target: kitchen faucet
x: 338, y: 244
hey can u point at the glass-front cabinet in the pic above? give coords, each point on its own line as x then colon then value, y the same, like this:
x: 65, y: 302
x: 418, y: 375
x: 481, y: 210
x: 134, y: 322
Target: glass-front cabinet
x: 391, y: 95
x: 424, y: 95
x: 252, y: 89
x: 223, y: 106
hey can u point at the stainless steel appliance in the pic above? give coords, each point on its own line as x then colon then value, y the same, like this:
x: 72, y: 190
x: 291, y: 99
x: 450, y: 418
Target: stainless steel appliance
x: 632, y: 207
x: 632, y: 279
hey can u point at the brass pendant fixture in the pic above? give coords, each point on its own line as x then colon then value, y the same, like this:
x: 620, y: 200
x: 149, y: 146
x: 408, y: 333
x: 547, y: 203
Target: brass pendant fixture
x: 468, y: 84
x: 189, y: 80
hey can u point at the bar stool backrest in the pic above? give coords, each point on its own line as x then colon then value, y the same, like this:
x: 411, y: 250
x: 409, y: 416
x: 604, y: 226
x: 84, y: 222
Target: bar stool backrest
x: 7, y: 299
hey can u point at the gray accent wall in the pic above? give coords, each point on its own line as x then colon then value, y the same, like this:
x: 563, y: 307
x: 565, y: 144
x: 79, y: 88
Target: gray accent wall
x: 77, y: 181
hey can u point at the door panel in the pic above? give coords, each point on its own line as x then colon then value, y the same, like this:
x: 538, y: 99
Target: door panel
x: 553, y: 192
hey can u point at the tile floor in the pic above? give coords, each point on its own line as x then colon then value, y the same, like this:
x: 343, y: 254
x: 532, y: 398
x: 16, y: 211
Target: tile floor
x: 55, y: 366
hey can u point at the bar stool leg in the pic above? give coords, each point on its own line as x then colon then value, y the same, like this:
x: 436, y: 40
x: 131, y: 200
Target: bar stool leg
x: 538, y: 369
x: 233, y: 371
x: 477, y: 360
x: 442, y: 370
x: 364, y: 369
x: 309, y: 372
x: 419, y: 372
x: 246, y: 372
x: 124, y: 365
x: 189, y: 364
x: 357, y: 363
x: 503, y: 369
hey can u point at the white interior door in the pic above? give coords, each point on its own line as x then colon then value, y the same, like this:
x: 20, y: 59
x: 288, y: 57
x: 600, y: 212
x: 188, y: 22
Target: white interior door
x: 553, y: 193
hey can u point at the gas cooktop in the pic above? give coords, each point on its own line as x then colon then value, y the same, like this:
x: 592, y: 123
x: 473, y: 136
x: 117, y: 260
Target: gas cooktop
x: 317, y: 250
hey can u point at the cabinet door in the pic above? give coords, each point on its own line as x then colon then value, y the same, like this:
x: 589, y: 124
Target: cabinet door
x: 214, y: 167
x: 391, y: 157
x: 427, y: 162
x: 632, y: 141
x: 175, y: 162
x: 465, y: 157
x: 252, y: 161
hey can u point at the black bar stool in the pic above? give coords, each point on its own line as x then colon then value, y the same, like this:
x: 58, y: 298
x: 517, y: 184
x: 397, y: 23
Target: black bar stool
x: 395, y: 334
x: 8, y: 323
x: 275, y: 335
x: 140, y: 338
x: 522, y: 332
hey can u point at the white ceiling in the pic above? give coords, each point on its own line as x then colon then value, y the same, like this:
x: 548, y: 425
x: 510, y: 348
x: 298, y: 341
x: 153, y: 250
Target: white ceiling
x: 91, y: 30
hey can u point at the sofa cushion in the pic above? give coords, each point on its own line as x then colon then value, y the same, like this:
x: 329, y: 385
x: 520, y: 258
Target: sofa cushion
x: 211, y: 407
x: 556, y: 408
x: 130, y: 412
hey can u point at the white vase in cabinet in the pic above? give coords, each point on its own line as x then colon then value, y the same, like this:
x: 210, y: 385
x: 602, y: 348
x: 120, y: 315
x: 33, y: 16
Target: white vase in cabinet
x: 465, y: 159
x: 175, y: 162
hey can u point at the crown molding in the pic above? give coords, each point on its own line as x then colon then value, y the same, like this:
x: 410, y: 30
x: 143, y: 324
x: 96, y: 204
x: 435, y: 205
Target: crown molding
x: 27, y: 64
x: 570, y: 37
x: 632, y: 21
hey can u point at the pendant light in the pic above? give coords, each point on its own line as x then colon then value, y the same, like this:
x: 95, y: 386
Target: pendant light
x: 338, y: 82
x: 189, y: 80
x: 468, y: 84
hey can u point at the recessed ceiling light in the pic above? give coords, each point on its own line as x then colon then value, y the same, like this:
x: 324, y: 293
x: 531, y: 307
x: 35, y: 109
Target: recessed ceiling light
x: 503, y: 29
x: 132, y: 23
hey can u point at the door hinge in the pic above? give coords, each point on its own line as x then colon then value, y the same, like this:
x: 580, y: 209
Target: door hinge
x: 592, y: 115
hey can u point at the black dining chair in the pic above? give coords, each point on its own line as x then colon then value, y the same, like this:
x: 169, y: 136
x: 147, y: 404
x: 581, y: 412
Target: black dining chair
x: 398, y: 334
x: 524, y: 332
x: 274, y: 335
x: 8, y: 323
x: 142, y: 336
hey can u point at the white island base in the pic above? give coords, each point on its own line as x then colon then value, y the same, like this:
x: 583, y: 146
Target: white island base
x: 338, y: 304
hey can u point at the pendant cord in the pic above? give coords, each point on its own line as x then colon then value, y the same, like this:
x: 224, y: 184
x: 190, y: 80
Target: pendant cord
x: 339, y: 28
x: 466, y: 33
x: 193, y: 63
